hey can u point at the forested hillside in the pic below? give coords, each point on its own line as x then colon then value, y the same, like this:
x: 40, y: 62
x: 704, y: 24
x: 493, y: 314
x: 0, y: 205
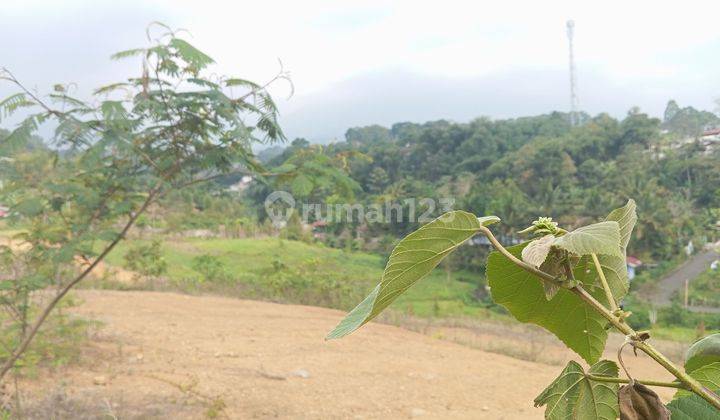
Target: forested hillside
x: 539, y: 166
x: 520, y: 168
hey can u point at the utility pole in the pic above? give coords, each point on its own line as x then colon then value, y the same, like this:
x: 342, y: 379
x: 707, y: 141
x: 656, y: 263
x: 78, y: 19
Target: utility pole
x: 574, y: 103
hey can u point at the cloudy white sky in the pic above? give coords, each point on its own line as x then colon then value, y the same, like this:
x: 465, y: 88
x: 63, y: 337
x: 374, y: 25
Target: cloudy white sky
x: 363, y: 62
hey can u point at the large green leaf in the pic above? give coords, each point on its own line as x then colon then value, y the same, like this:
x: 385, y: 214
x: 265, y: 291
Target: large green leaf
x: 692, y: 407
x: 412, y: 259
x: 598, y: 238
x: 687, y: 405
x: 703, y: 352
x: 566, y: 315
x: 573, y: 396
x: 708, y: 375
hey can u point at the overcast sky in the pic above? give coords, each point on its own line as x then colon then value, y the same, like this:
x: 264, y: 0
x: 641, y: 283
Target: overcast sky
x: 365, y: 62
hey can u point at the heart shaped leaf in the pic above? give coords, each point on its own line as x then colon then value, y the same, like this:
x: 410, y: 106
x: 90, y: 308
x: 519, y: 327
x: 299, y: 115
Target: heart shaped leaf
x: 708, y: 375
x: 572, y: 395
x: 692, y: 407
x: 567, y: 316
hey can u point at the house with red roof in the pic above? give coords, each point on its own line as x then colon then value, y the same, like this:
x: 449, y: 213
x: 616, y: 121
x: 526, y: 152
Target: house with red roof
x: 632, y: 264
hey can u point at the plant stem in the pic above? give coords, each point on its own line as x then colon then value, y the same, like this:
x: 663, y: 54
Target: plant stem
x: 647, y: 382
x: 27, y: 339
x: 605, y: 285
x: 687, y: 380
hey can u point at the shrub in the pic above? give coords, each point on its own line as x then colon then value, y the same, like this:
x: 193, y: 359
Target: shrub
x: 147, y: 260
x: 211, y: 268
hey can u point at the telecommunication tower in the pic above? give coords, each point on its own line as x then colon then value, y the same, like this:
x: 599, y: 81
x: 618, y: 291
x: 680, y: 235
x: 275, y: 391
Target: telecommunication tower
x: 574, y: 103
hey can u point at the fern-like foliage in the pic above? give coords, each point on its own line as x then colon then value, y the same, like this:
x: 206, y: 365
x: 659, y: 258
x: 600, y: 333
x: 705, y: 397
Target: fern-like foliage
x: 172, y: 124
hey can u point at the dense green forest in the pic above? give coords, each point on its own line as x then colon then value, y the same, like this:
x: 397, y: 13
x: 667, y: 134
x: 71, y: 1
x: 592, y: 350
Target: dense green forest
x: 538, y: 166
x: 520, y: 168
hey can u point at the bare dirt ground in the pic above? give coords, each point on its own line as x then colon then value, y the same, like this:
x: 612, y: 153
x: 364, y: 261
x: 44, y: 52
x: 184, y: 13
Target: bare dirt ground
x: 166, y: 355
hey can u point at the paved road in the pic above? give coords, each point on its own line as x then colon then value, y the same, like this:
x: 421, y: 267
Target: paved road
x: 674, y: 281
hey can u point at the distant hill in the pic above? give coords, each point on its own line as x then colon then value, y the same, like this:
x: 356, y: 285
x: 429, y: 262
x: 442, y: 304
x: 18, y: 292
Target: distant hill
x: 268, y: 154
x: 523, y: 168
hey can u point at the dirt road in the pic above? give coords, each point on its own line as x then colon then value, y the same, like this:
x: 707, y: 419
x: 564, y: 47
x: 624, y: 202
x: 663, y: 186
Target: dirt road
x: 165, y: 355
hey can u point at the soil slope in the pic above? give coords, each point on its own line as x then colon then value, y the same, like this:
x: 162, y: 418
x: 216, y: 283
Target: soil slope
x: 165, y: 355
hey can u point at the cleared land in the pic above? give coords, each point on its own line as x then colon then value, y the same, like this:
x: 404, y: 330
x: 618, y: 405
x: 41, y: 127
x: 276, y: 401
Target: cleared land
x: 167, y: 355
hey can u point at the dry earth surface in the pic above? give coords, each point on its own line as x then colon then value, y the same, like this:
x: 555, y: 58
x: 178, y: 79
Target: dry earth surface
x: 167, y: 355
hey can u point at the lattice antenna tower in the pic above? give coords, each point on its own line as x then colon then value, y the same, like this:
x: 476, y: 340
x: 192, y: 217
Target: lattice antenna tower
x: 574, y: 103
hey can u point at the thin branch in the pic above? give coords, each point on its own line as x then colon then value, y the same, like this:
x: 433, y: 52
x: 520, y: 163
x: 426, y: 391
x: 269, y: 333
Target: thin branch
x: 173, y: 127
x: 11, y: 77
x: 209, y: 178
x: 647, y: 382
x: 64, y: 115
x: 10, y: 363
x: 143, y: 154
x: 220, y: 175
x: 281, y: 75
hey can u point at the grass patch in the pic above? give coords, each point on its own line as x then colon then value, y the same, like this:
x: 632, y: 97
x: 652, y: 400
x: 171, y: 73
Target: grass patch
x: 705, y: 289
x: 683, y: 334
x: 298, y: 272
